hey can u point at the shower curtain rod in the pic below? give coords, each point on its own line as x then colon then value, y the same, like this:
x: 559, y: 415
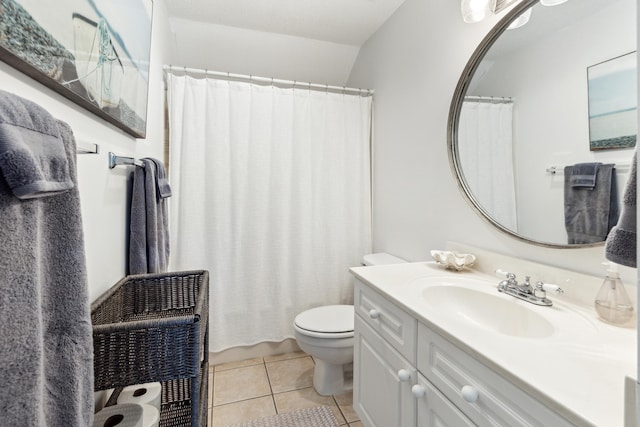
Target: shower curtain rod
x: 490, y: 99
x: 270, y: 80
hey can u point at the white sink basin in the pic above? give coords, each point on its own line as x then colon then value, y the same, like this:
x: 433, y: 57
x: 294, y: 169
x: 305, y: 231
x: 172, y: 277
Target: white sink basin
x: 495, y: 312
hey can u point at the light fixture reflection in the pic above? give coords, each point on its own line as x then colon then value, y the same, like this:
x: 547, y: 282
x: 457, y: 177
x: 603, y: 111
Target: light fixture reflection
x: 552, y: 2
x: 475, y: 10
x: 521, y: 20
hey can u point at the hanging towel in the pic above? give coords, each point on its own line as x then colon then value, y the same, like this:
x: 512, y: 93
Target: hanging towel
x: 589, y: 213
x: 149, y: 230
x: 583, y: 175
x: 163, y: 187
x: 46, y: 344
x: 32, y: 155
x: 621, y: 242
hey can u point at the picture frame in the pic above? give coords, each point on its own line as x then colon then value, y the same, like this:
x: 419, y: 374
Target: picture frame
x: 612, y: 87
x: 93, y: 52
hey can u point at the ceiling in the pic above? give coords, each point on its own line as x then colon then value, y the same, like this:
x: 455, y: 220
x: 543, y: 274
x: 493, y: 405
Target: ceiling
x: 349, y: 22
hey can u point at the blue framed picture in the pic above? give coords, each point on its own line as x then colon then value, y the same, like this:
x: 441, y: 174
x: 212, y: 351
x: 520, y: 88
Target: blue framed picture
x: 613, y: 103
x: 93, y: 52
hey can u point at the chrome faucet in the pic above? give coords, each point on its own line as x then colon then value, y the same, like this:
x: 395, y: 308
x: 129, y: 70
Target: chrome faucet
x: 525, y: 291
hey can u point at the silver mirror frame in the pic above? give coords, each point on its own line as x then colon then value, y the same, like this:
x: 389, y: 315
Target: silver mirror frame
x: 454, y: 117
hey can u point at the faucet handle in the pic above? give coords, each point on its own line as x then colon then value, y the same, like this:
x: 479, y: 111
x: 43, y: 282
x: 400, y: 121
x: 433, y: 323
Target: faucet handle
x: 505, y: 274
x: 542, y: 289
x: 548, y: 287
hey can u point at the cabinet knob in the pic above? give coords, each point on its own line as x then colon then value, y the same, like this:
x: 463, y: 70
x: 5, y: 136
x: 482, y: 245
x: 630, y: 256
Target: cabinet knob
x: 404, y: 375
x: 418, y: 391
x: 470, y: 393
x: 374, y: 314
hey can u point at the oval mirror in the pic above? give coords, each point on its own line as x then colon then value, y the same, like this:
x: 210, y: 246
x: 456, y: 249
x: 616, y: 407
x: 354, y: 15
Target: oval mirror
x: 526, y: 107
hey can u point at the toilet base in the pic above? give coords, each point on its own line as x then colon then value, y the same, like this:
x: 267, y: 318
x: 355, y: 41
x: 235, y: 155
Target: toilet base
x: 329, y: 378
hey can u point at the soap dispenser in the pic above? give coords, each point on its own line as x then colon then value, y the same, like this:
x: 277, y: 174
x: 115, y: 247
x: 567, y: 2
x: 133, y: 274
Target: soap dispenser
x: 612, y: 302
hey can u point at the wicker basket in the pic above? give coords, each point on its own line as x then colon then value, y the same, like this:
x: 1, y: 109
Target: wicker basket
x: 151, y: 327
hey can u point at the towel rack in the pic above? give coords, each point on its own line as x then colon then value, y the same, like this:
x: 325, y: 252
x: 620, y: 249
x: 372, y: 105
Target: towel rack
x: 555, y: 169
x: 83, y: 147
x: 115, y: 160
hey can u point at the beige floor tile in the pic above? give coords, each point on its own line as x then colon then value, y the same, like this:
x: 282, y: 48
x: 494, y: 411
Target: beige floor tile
x: 240, y: 384
x: 345, y: 403
x: 240, y: 412
x: 285, y: 356
x: 305, y: 398
x: 238, y: 364
x: 292, y: 374
x: 356, y: 424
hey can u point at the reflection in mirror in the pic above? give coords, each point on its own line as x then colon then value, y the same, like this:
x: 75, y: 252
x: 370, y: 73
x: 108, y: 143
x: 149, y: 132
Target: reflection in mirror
x: 525, y: 113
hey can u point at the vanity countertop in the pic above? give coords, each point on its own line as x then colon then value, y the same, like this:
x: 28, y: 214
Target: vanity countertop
x: 578, y: 370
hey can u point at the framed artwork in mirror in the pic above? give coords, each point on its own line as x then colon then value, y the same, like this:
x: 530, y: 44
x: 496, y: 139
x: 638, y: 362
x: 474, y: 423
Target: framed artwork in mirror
x: 93, y: 52
x: 613, y: 103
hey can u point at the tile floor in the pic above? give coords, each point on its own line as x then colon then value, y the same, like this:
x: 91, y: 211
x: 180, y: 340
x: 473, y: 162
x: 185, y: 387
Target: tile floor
x: 254, y: 388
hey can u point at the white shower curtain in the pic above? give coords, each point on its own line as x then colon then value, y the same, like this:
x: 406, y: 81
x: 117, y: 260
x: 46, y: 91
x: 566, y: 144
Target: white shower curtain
x: 272, y: 196
x: 485, y: 142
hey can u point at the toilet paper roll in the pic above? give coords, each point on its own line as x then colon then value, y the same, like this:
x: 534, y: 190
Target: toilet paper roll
x: 126, y: 415
x: 98, y: 400
x: 150, y: 416
x: 142, y: 393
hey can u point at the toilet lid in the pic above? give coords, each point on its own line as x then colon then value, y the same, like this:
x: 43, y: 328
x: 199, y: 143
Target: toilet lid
x: 327, y: 319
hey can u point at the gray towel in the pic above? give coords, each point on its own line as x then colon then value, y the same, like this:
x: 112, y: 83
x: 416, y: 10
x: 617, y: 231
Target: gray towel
x: 32, y: 155
x: 583, y: 175
x: 621, y: 242
x: 149, y: 229
x: 589, y: 213
x: 46, y: 344
x: 162, y: 184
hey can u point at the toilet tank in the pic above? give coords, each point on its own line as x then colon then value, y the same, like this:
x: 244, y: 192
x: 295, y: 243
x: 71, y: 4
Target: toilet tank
x: 381, y: 258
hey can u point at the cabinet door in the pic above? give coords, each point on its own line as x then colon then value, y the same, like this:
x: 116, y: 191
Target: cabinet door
x: 382, y: 381
x: 435, y: 410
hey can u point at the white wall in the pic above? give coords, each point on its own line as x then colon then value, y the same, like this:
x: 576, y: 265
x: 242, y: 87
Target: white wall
x: 550, y: 88
x: 414, y: 62
x: 236, y: 50
x: 104, y: 193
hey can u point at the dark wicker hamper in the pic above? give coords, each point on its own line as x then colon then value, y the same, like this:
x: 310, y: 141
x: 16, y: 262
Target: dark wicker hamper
x: 154, y: 327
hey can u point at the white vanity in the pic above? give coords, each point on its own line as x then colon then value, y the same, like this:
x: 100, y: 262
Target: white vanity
x: 436, y: 347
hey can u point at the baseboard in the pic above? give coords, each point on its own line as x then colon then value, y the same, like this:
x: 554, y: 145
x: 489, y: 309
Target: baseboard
x: 250, y: 352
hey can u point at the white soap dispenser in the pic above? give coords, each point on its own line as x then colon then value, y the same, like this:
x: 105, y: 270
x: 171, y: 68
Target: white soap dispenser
x: 612, y: 301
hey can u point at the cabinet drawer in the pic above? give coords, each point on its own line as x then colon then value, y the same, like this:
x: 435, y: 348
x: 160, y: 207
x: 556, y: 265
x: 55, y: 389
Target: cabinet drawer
x: 498, y: 403
x: 391, y: 322
x: 436, y: 410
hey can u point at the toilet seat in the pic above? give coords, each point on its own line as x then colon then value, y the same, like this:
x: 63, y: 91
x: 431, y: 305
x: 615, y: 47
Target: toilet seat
x: 331, y: 321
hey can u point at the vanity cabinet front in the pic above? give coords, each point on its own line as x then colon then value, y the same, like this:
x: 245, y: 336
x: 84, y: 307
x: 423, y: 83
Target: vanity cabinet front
x: 434, y: 383
x: 382, y: 381
x: 434, y: 409
x: 483, y: 395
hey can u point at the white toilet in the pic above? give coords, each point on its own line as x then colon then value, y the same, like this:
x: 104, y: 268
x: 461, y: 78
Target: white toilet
x: 326, y: 333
